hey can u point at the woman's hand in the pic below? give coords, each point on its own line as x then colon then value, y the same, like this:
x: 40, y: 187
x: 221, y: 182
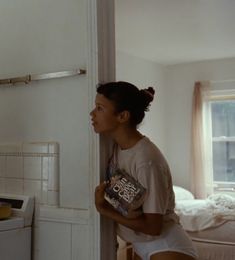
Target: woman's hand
x: 100, y: 201
x: 150, y: 223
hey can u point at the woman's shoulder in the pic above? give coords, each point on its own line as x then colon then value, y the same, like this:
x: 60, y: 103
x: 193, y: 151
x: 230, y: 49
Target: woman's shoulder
x: 147, y: 152
x: 147, y: 146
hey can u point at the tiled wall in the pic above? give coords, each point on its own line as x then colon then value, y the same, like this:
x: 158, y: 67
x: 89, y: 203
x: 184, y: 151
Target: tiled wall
x: 31, y: 169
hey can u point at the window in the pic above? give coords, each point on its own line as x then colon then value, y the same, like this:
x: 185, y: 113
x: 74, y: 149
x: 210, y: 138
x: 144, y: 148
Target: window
x: 222, y: 109
x: 213, y: 138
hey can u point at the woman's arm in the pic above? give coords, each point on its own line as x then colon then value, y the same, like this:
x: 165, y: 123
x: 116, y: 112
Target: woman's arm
x: 150, y: 224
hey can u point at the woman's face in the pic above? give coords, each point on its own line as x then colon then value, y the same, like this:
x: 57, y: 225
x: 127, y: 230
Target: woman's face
x: 103, y: 116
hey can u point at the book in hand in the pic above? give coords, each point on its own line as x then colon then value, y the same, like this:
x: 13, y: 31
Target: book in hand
x: 125, y: 194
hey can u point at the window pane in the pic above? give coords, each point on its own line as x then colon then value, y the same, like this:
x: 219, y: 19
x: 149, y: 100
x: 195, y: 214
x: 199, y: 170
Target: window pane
x: 223, y: 118
x: 223, y: 127
x: 224, y: 161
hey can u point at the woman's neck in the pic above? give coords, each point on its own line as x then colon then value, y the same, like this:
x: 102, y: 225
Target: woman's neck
x: 127, y: 138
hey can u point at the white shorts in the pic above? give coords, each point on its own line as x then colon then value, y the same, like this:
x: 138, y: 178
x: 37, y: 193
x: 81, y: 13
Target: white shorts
x: 173, y: 238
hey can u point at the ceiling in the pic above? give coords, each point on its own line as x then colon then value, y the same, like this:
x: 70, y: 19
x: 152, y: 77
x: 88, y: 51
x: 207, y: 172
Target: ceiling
x: 176, y: 31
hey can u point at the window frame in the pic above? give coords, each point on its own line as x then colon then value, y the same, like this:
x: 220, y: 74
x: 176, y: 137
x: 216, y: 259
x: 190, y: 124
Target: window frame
x: 221, y: 95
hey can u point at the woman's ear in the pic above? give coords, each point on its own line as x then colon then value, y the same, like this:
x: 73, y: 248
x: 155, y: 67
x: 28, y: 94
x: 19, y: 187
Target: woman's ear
x: 124, y: 116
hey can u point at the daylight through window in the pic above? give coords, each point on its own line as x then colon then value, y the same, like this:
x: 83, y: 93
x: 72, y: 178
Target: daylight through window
x: 223, y: 142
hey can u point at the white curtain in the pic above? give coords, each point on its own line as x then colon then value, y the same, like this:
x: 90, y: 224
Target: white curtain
x: 202, y: 166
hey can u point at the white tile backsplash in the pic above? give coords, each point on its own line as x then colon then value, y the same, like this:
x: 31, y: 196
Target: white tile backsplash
x: 53, y: 182
x: 35, y: 148
x: 14, y: 166
x: 14, y: 186
x: 11, y: 148
x: 2, y: 185
x: 31, y: 169
x: 33, y: 188
x: 53, y: 148
x: 2, y: 166
x: 45, y: 168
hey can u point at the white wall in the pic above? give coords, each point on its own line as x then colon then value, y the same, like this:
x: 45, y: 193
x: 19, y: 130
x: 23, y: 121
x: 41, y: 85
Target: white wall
x: 42, y: 37
x: 179, y: 90
x: 144, y: 73
x: 168, y: 123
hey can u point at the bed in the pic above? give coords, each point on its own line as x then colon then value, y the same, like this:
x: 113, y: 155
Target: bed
x: 210, y: 223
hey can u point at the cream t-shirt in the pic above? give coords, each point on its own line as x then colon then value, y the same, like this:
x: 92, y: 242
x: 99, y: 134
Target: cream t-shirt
x: 145, y: 162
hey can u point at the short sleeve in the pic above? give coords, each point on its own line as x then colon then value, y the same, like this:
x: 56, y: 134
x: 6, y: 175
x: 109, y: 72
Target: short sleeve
x: 155, y: 179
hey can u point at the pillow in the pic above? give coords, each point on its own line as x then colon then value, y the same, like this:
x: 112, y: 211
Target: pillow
x: 182, y: 194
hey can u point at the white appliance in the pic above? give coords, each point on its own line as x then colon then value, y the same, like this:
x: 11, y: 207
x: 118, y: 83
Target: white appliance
x: 15, y: 232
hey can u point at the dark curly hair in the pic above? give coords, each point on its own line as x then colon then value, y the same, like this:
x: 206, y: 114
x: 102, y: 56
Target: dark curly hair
x: 127, y: 96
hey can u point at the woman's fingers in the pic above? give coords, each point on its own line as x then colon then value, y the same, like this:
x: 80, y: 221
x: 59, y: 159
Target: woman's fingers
x: 101, y: 187
x: 99, y: 195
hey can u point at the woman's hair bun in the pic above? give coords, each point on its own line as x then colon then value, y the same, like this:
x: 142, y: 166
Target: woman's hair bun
x: 147, y: 96
x: 150, y: 91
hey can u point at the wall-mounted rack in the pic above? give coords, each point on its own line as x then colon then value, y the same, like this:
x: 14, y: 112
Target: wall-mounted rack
x: 35, y: 77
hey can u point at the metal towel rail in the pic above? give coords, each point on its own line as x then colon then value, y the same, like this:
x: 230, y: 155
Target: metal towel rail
x: 28, y: 78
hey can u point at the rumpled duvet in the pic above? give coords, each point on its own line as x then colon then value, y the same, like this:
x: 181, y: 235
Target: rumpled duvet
x: 196, y: 215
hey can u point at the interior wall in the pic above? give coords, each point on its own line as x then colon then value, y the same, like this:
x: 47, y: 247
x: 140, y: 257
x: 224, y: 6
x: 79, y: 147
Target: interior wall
x: 144, y: 73
x: 179, y: 90
x: 168, y: 123
x: 42, y: 37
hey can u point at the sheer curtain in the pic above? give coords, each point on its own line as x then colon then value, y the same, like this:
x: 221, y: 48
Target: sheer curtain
x: 202, y: 172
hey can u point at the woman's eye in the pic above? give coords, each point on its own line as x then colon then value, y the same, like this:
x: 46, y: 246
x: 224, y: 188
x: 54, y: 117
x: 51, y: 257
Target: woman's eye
x: 99, y: 108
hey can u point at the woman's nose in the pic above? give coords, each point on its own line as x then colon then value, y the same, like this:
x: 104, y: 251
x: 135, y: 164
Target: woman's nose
x: 92, y: 112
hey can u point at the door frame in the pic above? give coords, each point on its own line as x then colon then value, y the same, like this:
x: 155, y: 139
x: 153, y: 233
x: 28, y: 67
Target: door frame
x: 101, y: 68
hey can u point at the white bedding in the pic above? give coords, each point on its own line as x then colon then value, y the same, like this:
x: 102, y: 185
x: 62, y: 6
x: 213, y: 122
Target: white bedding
x: 196, y: 215
x: 210, y: 224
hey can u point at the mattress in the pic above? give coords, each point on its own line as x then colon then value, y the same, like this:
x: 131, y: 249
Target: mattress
x: 210, y: 251
x: 215, y: 243
x: 223, y: 233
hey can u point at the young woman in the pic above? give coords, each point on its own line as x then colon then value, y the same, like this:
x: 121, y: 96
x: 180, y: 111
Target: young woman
x: 156, y: 233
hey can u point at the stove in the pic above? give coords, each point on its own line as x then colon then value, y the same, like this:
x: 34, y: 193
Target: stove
x: 16, y: 231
